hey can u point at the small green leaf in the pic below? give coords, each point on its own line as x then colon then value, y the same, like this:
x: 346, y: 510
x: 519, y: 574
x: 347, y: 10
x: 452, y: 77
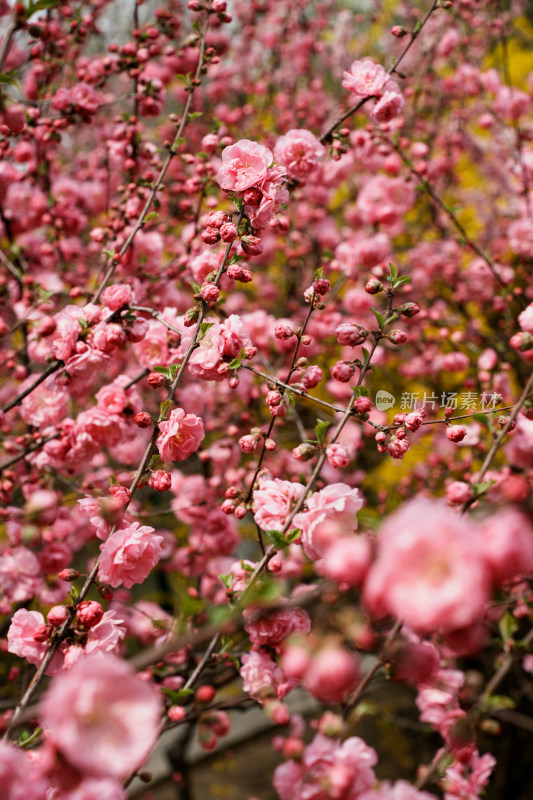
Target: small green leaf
x: 10, y: 80
x: 220, y: 614
x: 277, y: 539
x: 293, y: 535
x: 380, y: 318
x: 482, y: 488
x: 400, y: 281
x: 161, y: 370
x: 483, y: 419
x: 361, y: 391
x: 235, y: 364
x: 112, y: 480
x: 393, y: 272
x: 177, y: 697
x: 321, y: 428
x: 508, y: 626
x: 227, y: 580
x: 195, y: 287
x: 165, y: 405
x: 496, y: 701
x: 418, y: 27
x: 204, y: 327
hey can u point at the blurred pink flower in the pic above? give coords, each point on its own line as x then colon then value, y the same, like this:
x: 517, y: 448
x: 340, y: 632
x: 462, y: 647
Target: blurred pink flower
x: 101, y: 716
x: 430, y: 570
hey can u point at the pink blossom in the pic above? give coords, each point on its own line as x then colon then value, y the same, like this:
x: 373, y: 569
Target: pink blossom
x: 466, y: 779
x: 272, y: 629
x: 85, y: 97
x: 180, y: 436
x: 519, y: 450
x: 345, y: 768
x: 365, y: 78
x: 337, y: 503
x: 117, y: 295
x: 244, y: 164
x: 96, y: 789
x: 217, y: 535
x: 507, y: 542
x: 458, y: 492
x: 430, y: 571
x: 108, y: 729
x: 129, y: 555
x: 401, y: 790
x: 300, y: 152
x: 206, y: 359
x: 332, y: 674
x: 389, y: 105
x: 19, y: 776
x: 262, y: 677
x: 235, y: 336
x: 525, y: 319
x: 20, y: 636
x: 272, y: 195
x: 273, y: 502
x: 112, y: 398
x: 20, y: 574
x: 346, y: 560
x: 46, y: 405
x: 337, y: 456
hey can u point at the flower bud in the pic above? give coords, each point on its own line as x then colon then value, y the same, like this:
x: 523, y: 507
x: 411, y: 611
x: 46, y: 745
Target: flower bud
x: 142, y: 419
x: 155, y: 380
x: 456, y: 433
x: 160, y: 480
x: 373, y: 286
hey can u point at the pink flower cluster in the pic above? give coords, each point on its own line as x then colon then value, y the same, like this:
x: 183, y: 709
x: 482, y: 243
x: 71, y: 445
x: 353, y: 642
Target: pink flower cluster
x: 328, y: 770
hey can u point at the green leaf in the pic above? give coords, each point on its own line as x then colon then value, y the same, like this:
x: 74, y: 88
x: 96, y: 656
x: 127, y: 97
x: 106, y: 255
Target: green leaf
x: 9, y: 79
x: 151, y: 215
x: 195, y: 287
x: 400, y: 281
x: 482, y: 488
x: 483, y: 419
x: 496, y: 701
x: 113, y: 481
x: 508, y: 626
x: 393, y: 272
x: 235, y: 364
x: 204, y: 327
x: 162, y: 370
x: 165, y: 405
x: 195, y: 115
x: 380, y: 318
x: 321, y: 428
x: 319, y: 273
x: 227, y: 580
x: 418, y: 27
x: 277, y: 539
x: 177, y: 697
x: 218, y: 615
x: 361, y: 391
x: 40, y: 5
x: 293, y: 535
